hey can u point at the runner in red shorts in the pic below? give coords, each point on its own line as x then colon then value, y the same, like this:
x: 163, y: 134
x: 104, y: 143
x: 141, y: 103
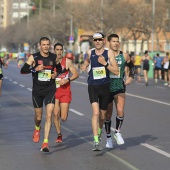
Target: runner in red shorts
x: 63, y: 95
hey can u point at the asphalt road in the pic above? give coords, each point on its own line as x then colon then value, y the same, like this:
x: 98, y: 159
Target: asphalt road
x: 146, y: 130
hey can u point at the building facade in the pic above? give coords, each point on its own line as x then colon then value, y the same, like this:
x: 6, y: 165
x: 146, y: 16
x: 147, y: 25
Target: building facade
x: 12, y: 11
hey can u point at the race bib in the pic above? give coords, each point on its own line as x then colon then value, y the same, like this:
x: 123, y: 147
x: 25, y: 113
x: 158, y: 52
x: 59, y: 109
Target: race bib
x: 99, y: 73
x: 57, y: 82
x: 44, y: 75
x: 0, y: 70
x: 115, y: 76
x: 21, y: 62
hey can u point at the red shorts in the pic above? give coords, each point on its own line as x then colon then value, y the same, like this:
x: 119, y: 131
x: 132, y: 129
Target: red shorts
x: 64, y: 96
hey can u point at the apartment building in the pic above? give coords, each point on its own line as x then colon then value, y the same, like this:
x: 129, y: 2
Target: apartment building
x: 12, y: 11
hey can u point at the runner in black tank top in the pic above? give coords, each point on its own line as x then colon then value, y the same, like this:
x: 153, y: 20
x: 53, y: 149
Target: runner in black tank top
x: 146, y: 66
x: 43, y: 73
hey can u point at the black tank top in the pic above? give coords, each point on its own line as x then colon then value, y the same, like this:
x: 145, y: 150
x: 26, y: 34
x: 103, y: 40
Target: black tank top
x: 49, y: 65
x: 145, y: 62
x: 95, y: 64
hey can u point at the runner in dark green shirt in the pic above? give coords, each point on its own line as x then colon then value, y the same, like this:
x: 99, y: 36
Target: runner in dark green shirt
x: 117, y: 90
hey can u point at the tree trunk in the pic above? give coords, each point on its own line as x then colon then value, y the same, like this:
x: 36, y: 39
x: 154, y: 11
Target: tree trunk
x: 157, y: 43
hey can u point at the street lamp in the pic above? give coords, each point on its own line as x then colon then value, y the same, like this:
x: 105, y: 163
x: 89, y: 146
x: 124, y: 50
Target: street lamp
x: 54, y: 5
x: 153, y: 24
x: 71, y: 39
x: 101, y: 16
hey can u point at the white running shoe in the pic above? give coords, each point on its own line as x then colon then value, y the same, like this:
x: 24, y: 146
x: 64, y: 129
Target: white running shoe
x: 96, y: 146
x: 109, y: 143
x: 119, y: 138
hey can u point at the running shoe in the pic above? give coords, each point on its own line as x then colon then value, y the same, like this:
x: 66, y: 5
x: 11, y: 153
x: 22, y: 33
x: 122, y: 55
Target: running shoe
x: 109, y: 143
x: 59, y: 139
x: 36, y: 136
x: 96, y: 146
x: 156, y: 80
x: 119, y: 138
x: 165, y: 84
x: 146, y: 83
x: 44, y: 147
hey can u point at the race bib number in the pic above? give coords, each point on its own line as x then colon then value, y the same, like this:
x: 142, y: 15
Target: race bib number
x: 0, y: 70
x: 115, y: 76
x: 99, y: 73
x: 44, y: 75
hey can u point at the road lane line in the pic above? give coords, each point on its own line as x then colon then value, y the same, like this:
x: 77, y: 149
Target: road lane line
x: 21, y: 85
x: 82, y: 77
x: 156, y: 149
x: 29, y: 89
x: 15, y: 82
x: 76, y: 112
x: 151, y: 147
x: 78, y: 82
x: 160, y: 87
x: 156, y: 101
x: 132, y: 95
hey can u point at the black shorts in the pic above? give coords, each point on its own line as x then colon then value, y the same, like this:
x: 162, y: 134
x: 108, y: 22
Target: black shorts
x: 47, y: 97
x: 99, y: 94
x: 157, y: 68
x: 112, y: 94
x: 165, y: 70
x: 146, y: 67
x: 1, y: 76
x: 137, y: 66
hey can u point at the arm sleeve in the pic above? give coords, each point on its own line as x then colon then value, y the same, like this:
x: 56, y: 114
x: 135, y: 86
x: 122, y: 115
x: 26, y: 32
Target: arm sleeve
x: 26, y: 69
x: 131, y: 68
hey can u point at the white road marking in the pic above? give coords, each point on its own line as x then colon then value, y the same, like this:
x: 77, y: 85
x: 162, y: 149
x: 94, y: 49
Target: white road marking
x: 156, y: 101
x: 156, y: 149
x: 160, y: 87
x: 76, y: 112
x: 128, y: 94
x: 29, y: 89
x: 15, y: 82
x: 82, y: 77
x: 21, y: 85
x: 80, y: 83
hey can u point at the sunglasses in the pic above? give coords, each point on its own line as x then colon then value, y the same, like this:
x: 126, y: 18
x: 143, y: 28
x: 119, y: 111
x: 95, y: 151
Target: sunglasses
x: 98, y: 39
